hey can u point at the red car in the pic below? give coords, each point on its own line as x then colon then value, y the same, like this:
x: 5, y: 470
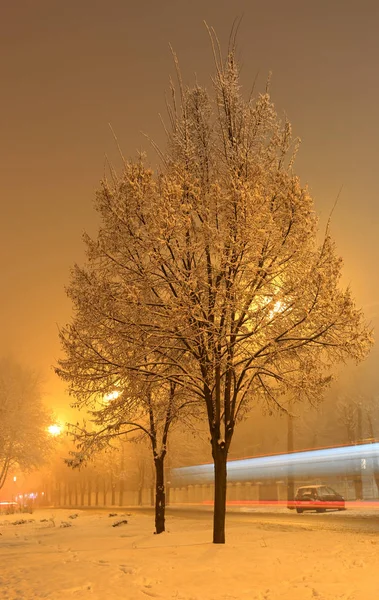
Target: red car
x: 319, y: 498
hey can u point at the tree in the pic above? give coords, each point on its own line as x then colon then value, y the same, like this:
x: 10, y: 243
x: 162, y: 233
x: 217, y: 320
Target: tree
x: 24, y: 441
x: 358, y: 414
x: 98, y: 365
x: 214, y: 263
x: 371, y: 413
x: 139, y: 473
x: 290, y: 448
x: 349, y: 413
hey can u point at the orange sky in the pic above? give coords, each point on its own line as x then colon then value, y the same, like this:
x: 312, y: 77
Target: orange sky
x: 68, y: 68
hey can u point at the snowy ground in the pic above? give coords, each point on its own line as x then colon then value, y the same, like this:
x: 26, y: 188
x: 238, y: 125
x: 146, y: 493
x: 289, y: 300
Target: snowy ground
x: 261, y: 561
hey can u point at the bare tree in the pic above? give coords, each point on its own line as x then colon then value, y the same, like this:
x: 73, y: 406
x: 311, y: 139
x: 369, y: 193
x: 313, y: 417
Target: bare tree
x: 24, y: 441
x: 372, y: 416
x: 139, y: 469
x: 349, y: 414
x: 215, y: 265
x: 359, y: 417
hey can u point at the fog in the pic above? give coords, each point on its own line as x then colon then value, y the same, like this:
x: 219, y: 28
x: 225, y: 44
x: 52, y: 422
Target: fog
x: 68, y: 73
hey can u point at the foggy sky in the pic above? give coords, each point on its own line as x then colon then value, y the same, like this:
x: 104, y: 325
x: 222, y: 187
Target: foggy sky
x: 69, y: 68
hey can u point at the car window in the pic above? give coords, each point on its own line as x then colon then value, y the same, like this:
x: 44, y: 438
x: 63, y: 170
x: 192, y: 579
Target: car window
x: 323, y: 490
x: 306, y: 491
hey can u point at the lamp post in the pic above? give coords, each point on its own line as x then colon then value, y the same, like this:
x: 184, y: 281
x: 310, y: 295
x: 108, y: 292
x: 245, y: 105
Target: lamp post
x: 55, y: 431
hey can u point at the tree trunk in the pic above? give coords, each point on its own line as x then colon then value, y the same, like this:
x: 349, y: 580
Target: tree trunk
x: 105, y: 490
x: 358, y: 482
x: 160, y: 498
x: 219, y: 454
x: 122, y: 476
x: 97, y: 492
x: 121, y: 493
x: 89, y: 493
x: 358, y: 486
x: 373, y: 441
x: 290, y: 474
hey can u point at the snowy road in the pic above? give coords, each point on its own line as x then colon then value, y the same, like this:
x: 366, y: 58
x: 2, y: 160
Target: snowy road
x: 352, y: 520
x: 348, y: 521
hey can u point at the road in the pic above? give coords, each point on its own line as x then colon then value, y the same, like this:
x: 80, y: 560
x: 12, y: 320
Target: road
x: 351, y: 520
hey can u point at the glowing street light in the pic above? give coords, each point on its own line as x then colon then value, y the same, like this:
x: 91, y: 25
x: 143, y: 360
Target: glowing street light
x: 54, y: 430
x: 111, y: 396
x: 279, y: 307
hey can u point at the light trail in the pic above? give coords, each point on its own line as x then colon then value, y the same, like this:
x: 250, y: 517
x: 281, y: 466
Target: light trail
x: 342, y: 460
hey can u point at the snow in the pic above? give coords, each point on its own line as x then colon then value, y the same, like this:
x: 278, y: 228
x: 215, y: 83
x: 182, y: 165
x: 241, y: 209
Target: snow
x: 60, y: 558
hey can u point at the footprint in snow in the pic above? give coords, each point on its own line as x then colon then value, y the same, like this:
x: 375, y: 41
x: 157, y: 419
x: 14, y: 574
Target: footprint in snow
x: 127, y: 570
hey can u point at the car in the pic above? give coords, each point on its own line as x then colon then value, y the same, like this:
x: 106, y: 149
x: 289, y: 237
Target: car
x: 8, y: 508
x: 319, y: 498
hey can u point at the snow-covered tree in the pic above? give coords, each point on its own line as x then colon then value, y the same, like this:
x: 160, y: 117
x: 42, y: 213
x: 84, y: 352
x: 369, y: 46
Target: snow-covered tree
x: 24, y: 440
x: 212, y: 267
x: 123, y: 399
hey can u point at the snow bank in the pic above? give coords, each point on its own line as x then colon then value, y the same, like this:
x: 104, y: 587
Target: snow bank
x: 264, y: 560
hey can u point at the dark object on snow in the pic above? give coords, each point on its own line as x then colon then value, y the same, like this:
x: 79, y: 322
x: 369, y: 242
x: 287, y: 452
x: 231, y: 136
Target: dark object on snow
x: 65, y: 524
x: 112, y: 515
x: 117, y: 523
x: 74, y: 516
x: 23, y: 521
x: 19, y: 522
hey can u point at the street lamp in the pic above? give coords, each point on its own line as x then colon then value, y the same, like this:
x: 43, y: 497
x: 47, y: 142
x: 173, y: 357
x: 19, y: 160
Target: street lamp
x: 111, y: 396
x: 54, y: 430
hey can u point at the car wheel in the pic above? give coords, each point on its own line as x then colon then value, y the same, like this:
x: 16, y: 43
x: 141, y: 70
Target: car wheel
x: 299, y: 510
